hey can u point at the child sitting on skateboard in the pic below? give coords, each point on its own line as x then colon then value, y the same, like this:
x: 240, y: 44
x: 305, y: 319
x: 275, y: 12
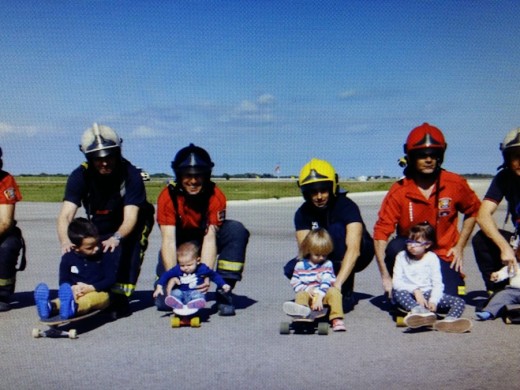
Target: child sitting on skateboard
x: 188, y: 274
x: 418, y: 287
x: 313, y: 280
x: 510, y: 295
x: 86, y: 275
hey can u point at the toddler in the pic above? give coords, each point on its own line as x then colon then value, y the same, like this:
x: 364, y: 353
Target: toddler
x: 313, y: 280
x: 508, y: 296
x: 86, y: 275
x: 187, y: 275
x: 418, y: 287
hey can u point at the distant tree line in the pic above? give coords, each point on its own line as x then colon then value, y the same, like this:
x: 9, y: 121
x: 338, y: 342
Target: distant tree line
x: 250, y: 175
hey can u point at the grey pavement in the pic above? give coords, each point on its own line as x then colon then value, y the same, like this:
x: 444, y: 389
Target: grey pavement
x: 247, y: 351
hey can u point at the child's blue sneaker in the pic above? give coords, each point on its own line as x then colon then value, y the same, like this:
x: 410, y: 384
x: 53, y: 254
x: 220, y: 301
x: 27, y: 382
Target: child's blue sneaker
x: 67, y: 303
x: 41, y: 298
x: 483, y: 315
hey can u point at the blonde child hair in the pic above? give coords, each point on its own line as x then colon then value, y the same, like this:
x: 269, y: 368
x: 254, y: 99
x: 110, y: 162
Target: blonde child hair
x: 317, y: 242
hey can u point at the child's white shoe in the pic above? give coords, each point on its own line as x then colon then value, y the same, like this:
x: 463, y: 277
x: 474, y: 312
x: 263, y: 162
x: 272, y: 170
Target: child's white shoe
x: 453, y: 325
x: 418, y: 320
x: 295, y: 310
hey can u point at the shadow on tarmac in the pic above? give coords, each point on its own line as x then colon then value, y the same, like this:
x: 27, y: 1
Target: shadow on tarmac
x: 241, y: 302
x: 19, y: 300
x: 141, y: 300
x: 477, y: 299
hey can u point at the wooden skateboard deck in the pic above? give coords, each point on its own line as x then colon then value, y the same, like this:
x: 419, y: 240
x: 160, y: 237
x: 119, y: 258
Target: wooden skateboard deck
x: 54, y: 324
x: 512, y: 314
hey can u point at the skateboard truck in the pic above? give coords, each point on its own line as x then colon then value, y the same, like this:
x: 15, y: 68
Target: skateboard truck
x: 185, y: 317
x: 54, y: 326
x: 307, y: 325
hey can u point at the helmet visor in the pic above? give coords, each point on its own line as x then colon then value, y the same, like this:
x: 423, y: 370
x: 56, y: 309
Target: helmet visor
x: 426, y: 152
x: 319, y: 186
x: 102, y: 153
x: 193, y: 171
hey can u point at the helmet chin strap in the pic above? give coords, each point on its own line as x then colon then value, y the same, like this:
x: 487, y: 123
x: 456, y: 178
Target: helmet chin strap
x: 409, y: 168
x: 431, y: 176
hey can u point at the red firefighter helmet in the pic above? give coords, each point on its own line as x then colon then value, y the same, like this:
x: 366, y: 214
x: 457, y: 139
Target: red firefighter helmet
x: 425, y: 136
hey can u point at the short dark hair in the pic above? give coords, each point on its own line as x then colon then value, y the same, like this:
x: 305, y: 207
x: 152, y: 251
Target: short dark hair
x: 423, y: 229
x: 81, y: 228
x: 190, y: 246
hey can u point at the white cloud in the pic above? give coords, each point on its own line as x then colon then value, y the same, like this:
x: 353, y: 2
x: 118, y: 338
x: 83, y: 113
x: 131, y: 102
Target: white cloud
x: 249, y: 112
x: 198, y: 130
x: 246, y: 107
x: 224, y: 119
x: 265, y: 99
x: 144, y: 132
x: 347, y: 94
x: 6, y: 128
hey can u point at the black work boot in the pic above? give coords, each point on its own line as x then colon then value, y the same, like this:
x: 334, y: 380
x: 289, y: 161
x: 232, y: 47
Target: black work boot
x: 5, y: 296
x: 225, y: 303
x: 119, y: 306
x: 4, y: 306
x: 347, y: 292
x: 349, y: 301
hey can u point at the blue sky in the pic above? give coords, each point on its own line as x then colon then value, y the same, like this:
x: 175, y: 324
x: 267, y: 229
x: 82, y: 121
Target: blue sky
x: 258, y: 83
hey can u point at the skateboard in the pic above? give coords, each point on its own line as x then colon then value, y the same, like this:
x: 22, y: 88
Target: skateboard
x: 55, y: 323
x: 395, y: 311
x: 185, y: 317
x: 398, y: 314
x: 512, y: 314
x: 307, y: 325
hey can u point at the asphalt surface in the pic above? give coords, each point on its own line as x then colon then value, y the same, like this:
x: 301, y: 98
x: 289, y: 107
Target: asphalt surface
x: 247, y: 351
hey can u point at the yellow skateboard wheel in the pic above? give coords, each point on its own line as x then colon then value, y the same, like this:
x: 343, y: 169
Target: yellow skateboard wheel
x: 195, y: 322
x: 285, y: 328
x: 399, y: 322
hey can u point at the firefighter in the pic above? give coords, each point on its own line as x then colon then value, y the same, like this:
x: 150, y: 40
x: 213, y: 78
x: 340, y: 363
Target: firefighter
x: 193, y: 208
x: 428, y: 193
x: 113, y: 194
x: 11, y: 241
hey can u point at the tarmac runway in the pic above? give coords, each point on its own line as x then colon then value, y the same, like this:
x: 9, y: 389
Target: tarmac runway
x: 247, y: 351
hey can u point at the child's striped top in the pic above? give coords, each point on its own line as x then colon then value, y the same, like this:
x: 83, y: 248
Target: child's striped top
x: 308, y: 276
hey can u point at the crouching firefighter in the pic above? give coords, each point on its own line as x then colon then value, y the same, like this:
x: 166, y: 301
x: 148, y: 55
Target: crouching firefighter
x: 12, y: 246
x: 113, y: 194
x: 193, y: 208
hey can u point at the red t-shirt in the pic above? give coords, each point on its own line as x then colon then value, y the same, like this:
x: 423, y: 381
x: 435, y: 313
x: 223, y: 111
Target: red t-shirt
x: 9, y: 191
x: 190, y: 219
x: 404, y: 206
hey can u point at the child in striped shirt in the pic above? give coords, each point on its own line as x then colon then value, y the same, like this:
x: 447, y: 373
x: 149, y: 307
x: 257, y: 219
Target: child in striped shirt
x: 313, y: 280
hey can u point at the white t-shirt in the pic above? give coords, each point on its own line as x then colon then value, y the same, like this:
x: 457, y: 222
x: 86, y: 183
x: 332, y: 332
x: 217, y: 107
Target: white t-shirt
x: 424, y: 274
